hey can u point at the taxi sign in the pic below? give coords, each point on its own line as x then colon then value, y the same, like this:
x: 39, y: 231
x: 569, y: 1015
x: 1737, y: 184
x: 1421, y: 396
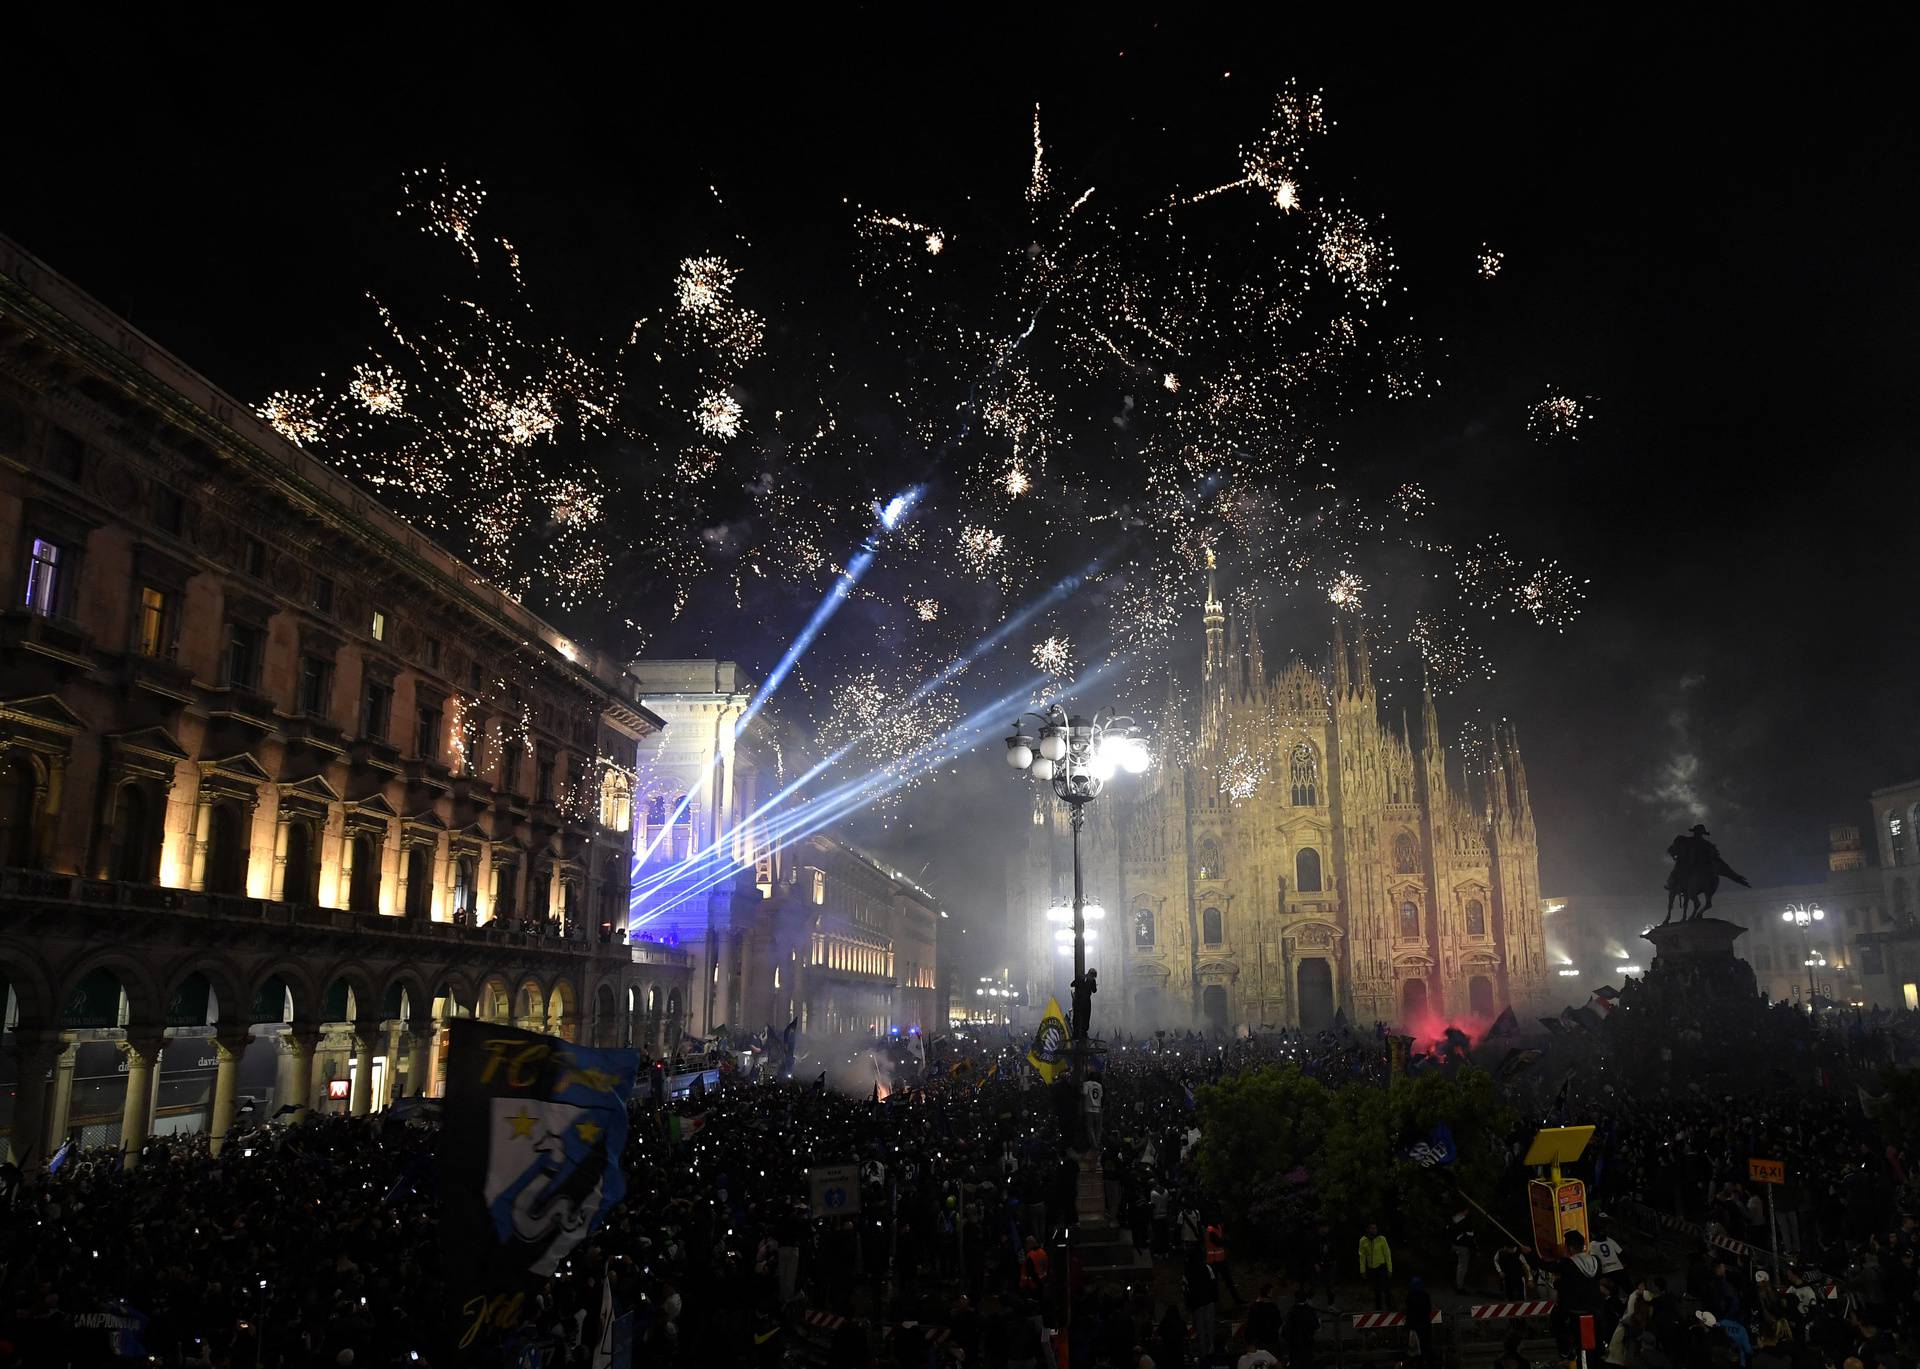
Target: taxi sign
x: 1767, y: 1171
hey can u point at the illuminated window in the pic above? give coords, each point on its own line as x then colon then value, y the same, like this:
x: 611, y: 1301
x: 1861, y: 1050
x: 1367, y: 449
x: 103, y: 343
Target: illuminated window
x: 1305, y: 768
x: 819, y: 885
x: 45, y: 578
x: 1897, y: 838
x: 155, y: 635
x: 1476, y: 918
x: 379, y: 628
x: 616, y: 801
x: 1409, y: 919
x: 1210, y: 867
x: 1143, y: 928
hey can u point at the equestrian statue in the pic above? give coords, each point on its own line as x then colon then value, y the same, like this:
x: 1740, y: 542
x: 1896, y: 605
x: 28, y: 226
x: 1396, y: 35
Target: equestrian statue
x: 1697, y: 871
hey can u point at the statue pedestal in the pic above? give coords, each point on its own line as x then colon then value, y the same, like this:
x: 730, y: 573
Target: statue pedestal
x: 1696, y: 959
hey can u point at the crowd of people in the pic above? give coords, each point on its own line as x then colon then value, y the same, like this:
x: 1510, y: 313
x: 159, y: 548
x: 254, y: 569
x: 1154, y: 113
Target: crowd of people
x: 317, y: 1244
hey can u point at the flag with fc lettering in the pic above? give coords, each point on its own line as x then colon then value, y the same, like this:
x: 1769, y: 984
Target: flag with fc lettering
x: 530, y: 1158
x: 1050, y: 1043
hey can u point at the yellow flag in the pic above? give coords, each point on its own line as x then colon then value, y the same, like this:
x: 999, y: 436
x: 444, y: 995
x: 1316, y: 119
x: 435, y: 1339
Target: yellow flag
x: 1049, y: 1053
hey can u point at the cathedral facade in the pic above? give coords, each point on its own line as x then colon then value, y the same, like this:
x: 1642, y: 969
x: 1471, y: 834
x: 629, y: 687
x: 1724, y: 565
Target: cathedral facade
x: 1307, y: 859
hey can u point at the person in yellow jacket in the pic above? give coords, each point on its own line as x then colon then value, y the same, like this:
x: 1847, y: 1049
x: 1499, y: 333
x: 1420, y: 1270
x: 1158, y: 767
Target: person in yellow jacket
x: 1376, y: 1265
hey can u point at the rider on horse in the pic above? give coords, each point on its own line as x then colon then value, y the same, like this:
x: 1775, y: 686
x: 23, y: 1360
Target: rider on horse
x: 1697, y: 870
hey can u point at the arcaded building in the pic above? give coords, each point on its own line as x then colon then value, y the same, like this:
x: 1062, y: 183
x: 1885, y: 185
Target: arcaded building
x: 1306, y: 859
x: 283, y: 785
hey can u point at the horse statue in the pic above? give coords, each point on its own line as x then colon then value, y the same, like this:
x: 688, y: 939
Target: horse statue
x: 1697, y: 871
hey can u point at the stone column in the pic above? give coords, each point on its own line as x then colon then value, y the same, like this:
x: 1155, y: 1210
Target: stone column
x: 142, y: 1049
x: 202, y: 835
x: 420, y: 1061
x: 302, y: 1041
x: 360, y: 1094
x: 277, y: 875
x: 229, y: 1044
x: 389, y: 1082
x: 343, y: 881
x: 36, y: 1051
x: 60, y: 1106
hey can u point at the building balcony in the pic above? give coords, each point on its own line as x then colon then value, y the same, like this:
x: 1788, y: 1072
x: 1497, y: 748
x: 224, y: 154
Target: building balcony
x: 203, y: 918
x: 49, y: 649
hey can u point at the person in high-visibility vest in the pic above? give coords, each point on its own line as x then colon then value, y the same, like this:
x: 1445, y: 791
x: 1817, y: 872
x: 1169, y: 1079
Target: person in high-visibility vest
x: 1217, y: 1257
x: 1376, y: 1265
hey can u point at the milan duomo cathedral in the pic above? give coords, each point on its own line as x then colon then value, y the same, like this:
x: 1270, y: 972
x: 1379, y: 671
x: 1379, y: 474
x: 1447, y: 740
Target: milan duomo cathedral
x: 1308, y: 860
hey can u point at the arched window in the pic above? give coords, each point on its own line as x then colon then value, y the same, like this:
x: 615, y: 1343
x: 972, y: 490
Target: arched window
x: 363, y: 889
x: 1897, y: 838
x: 1306, y: 871
x: 1210, y: 859
x: 1212, y: 927
x: 616, y: 801
x: 1305, y: 772
x: 419, y: 881
x: 226, y: 849
x: 18, y: 798
x: 296, y: 883
x: 1143, y: 927
x: 1410, y: 919
x: 1406, y: 854
x: 1476, y: 918
x: 466, y: 885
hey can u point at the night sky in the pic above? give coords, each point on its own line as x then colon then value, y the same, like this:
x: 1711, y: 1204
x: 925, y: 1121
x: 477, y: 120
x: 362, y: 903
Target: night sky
x: 1708, y: 232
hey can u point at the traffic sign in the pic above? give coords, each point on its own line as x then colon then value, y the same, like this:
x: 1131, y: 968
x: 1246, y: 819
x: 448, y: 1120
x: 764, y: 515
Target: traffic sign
x: 835, y: 1190
x: 1767, y: 1171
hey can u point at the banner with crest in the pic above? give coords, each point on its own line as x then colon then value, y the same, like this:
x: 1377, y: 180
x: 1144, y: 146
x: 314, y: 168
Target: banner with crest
x: 530, y: 1161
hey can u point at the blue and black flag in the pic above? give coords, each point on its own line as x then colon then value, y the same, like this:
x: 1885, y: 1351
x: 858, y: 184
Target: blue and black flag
x: 530, y: 1153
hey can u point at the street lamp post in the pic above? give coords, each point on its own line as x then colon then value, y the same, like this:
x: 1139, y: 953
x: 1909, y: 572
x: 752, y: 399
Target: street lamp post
x: 1076, y: 756
x: 1803, y: 916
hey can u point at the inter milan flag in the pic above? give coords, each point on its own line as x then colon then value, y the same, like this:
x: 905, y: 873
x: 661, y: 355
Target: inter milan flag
x: 534, y: 1127
x: 1050, y: 1043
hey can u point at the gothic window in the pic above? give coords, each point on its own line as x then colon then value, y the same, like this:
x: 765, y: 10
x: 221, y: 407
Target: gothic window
x: 1476, y: 918
x: 1897, y: 838
x: 1409, y: 919
x: 1305, y: 767
x: 1143, y: 928
x: 1406, y: 854
x: 1306, y: 871
x: 1210, y: 859
x: 1212, y: 927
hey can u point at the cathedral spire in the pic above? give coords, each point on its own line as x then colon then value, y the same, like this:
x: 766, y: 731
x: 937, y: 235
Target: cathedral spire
x: 1256, y: 658
x: 1517, y: 772
x: 1429, y: 718
x: 1340, y: 678
x: 1216, y: 621
x: 1362, y: 663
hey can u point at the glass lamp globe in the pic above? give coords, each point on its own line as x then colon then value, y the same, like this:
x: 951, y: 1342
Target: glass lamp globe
x: 1042, y: 768
x: 1092, y: 912
x: 1102, y: 763
x: 1053, y: 745
x: 1019, y: 754
x: 1134, y: 756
